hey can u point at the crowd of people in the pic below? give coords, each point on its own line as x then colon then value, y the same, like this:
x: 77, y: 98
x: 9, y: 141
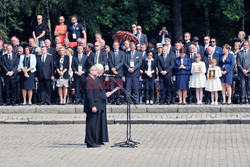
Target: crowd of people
x: 154, y: 71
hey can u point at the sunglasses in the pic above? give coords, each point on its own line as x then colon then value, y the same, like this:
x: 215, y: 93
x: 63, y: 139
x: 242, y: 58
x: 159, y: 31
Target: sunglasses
x: 133, y: 27
x: 138, y: 28
x: 61, y: 19
x: 213, y: 41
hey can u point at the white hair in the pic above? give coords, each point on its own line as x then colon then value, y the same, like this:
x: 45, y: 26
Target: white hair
x: 38, y: 49
x: 99, y: 67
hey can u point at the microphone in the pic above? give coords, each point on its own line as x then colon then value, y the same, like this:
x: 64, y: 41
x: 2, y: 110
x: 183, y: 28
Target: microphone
x: 109, y: 75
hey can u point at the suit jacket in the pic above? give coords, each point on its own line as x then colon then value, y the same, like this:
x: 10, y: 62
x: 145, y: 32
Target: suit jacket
x: 65, y: 65
x: 143, y: 38
x: 145, y: 68
x: 191, y: 58
x: 159, y: 37
x: 200, y: 50
x: 243, y: 62
x: 186, y: 63
x: 117, y: 62
x: 217, y: 52
x: 137, y: 63
x: 205, y: 59
x: 52, y: 50
x: 45, y: 69
x: 166, y: 65
x: 8, y: 65
x: 83, y: 63
x: 101, y: 60
x: 95, y: 95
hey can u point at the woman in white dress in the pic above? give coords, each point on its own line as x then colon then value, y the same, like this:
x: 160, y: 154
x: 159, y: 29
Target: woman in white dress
x: 213, y: 83
x: 198, y: 77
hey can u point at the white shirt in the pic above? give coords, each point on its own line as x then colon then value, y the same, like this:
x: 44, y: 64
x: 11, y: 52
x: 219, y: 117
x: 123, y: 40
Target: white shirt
x: 181, y: 61
x: 43, y: 58
x: 206, y: 46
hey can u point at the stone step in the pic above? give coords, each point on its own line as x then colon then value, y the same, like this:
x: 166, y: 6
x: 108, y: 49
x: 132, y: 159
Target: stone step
x: 123, y: 109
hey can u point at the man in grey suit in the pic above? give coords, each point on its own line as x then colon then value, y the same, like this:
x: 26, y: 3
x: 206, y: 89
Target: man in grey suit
x: 116, y: 61
x: 142, y: 38
x: 243, y: 63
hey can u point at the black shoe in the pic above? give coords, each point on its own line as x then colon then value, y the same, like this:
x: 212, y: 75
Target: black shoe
x: 92, y: 145
x: 167, y: 103
x: 7, y: 104
x: 48, y: 103
x: 100, y: 143
x: 118, y: 103
x: 13, y: 104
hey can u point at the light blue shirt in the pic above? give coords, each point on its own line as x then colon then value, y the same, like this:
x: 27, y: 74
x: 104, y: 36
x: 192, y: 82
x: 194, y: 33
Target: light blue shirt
x: 32, y: 62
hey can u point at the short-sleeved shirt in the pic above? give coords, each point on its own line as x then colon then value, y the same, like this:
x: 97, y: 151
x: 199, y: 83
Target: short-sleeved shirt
x: 39, y: 29
x: 74, y: 29
x: 61, y: 28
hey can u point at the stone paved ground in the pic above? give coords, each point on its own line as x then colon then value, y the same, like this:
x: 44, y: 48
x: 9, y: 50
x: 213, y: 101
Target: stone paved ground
x: 161, y: 145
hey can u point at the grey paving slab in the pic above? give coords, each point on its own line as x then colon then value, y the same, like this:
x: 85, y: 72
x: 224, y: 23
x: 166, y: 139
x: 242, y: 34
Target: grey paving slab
x: 161, y: 145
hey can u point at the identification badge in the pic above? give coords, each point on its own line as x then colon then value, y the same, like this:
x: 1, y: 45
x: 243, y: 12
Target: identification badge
x: 132, y: 64
x: 106, y: 68
x: 74, y: 35
x: 80, y: 68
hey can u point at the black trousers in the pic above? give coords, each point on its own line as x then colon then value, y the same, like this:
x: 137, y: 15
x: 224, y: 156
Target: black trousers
x: 245, y: 87
x: 45, y: 89
x: 79, y: 88
x: 165, y: 88
x: 96, y: 128
x: 149, y: 88
x: 11, y: 89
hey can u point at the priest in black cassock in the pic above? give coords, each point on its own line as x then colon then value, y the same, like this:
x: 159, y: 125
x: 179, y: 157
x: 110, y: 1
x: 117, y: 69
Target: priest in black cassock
x: 95, y: 108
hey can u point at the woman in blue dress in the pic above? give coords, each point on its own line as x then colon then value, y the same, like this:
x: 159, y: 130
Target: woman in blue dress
x: 182, y: 69
x: 226, y: 63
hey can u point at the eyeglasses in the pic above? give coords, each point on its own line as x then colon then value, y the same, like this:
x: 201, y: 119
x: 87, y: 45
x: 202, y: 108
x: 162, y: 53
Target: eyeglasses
x: 206, y: 39
x: 61, y: 19
x: 138, y: 28
x: 185, y: 36
x: 39, y: 19
x: 133, y: 27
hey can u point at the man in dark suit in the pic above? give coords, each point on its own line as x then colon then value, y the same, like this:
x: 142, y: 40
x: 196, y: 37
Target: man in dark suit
x: 192, y: 53
x: 1, y: 92
x: 99, y: 57
x: 171, y: 49
x: 79, y: 67
x: 142, y: 38
x: 116, y: 61
x: 51, y: 50
x: 198, y: 48
x: 9, y: 66
x: 206, y: 42
x: 134, y: 29
x: 175, y: 54
x: 217, y: 51
x: 133, y: 62
x: 15, y: 45
x: 163, y: 34
x: 165, y: 66
x: 187, y: 43
x: 243, y: 63
x: 44, y: 75
x: 94, y: 105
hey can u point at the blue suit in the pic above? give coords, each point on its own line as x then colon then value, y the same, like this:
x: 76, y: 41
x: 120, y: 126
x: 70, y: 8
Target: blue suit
x: 227, y: 65
x: 132, y: 79
x: 182, y: 75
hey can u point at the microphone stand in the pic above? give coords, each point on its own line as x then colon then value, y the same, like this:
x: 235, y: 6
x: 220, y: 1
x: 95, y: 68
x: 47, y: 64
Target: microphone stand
x: 129, y: 142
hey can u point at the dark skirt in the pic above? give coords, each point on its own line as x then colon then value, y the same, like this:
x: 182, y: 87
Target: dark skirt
x: 28, y: 83
x: 182, y: 82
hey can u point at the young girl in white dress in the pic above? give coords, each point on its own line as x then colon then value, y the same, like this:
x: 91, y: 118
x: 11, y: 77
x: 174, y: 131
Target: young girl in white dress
x: 198, y: 77
x: 213, y: 83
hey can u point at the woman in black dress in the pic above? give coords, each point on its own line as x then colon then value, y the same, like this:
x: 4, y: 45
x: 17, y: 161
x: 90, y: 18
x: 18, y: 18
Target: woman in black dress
x: 27, y: 64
